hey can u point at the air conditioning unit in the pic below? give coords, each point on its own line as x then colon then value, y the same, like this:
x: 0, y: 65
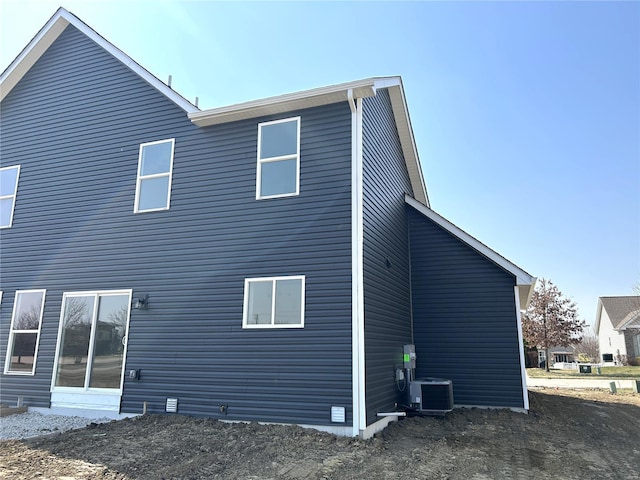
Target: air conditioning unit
x: 431, y: 396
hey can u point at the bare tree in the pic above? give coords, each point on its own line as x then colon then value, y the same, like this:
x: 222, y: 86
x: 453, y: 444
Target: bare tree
x: 551, y: 319
x: 118, y: 317
x: 589, y: 348
x: 76, y: 312
x: 28, y: 319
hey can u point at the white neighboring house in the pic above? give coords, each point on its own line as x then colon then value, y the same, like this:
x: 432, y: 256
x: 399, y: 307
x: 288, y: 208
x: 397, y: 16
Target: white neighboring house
x: 618, y: 328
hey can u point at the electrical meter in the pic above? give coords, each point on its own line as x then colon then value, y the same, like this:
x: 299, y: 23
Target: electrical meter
x: 409, y: 357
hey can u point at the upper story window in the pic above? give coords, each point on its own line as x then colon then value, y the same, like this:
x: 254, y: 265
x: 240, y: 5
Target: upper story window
x: 24, y: 334
x: 155, y: 166
x: 8, y: 190
x: 278, y: 158
x: 273, y: 302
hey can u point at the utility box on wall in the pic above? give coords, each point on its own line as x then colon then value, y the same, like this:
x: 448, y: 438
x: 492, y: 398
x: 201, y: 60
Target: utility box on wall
x: 409, y: 357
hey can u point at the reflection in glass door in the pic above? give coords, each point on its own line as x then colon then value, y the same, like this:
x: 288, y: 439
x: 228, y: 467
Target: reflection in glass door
x: 91, y: 343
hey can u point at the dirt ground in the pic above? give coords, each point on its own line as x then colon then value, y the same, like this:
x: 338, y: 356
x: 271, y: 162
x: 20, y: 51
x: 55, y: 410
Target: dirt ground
x: 568, y: 434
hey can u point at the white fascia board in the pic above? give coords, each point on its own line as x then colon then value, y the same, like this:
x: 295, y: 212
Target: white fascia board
x: 50, y: 32
x: 32, y: 52
x: 405, y: 133
x: 598, y: 316
x: 523, y: 279
x: 283, y: 103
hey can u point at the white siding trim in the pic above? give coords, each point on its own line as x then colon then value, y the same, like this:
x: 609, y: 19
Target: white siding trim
x: 90, y: 400
x: 523, y: 371
x: 407, y: 141
x: 357, y: 279
x: 284, y: 103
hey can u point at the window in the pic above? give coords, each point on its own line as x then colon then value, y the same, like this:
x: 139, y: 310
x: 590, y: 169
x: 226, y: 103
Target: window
x: 278, y: 158
x: 8, y: 190
x: 155, y: 165
x: 276, y: 302
x: 563, y: 358
x: 25, y: 332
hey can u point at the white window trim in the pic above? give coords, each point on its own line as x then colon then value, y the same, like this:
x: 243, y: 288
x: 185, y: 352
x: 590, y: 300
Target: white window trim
x: 140, y: 177
x: 12, y: 332
x: 14, y: 196
x: 86, y: 389
x: 273, y: 280
x: 295, y: 156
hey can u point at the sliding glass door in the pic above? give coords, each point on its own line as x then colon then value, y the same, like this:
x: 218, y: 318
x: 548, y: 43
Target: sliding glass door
x: 92, y: 341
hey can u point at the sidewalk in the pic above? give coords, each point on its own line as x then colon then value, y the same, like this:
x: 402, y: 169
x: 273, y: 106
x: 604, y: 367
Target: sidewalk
x: 576, y: 383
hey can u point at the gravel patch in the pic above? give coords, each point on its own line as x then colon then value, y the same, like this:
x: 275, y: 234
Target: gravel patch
x: 34, y: 424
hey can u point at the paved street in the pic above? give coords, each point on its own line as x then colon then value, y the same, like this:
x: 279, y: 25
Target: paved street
x: 587, y: 382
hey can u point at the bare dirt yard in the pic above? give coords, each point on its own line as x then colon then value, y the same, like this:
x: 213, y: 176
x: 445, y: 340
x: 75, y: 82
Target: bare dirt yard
x: 568, y: 434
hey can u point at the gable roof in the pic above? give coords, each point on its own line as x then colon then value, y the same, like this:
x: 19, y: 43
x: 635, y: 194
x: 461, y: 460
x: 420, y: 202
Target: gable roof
x: 524, y: 281
x: 278, y: 104
x: 622, y: 311
x: 51, y: 31
x: 325, y: 96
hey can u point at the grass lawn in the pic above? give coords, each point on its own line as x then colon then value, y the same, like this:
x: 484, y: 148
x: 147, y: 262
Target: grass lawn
x: 606, y: 372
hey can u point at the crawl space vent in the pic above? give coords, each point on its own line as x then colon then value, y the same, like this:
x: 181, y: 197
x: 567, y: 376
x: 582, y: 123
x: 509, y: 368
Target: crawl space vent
x: 172, y: 405
x: 337, y: 414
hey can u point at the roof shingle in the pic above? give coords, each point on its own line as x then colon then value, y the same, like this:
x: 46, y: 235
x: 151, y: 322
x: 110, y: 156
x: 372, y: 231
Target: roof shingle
x: 621, y: 310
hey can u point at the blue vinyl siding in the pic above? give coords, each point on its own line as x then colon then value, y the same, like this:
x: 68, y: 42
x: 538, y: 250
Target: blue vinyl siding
x: 464, y: 318
x: 387, y: 308
x: 75, y: 123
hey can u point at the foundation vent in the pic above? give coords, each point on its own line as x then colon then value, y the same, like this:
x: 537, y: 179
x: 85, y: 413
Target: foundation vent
x: 172, y: 405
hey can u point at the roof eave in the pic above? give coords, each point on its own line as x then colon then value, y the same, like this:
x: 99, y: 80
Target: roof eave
x: 629, y: 321
x: 50, y: 32
x: 283, y: 103
x: 598, y: 315
x: 325, y: 96
x: 33, y: 51
x: 407, y: 140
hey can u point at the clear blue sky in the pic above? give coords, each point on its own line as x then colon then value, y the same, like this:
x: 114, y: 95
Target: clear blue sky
x: 526, y: 115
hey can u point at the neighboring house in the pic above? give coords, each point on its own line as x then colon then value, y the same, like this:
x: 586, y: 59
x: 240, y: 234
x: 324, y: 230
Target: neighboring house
x: 618, y: 329
x: 265, y: 261
x: 538, y: 356
x: 557, y: 355
x: 561, y: 355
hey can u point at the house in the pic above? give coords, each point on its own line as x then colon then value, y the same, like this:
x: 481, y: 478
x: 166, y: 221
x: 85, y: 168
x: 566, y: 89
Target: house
x: 557, y: 355
x: 265, y: 261
x: 618, y: 329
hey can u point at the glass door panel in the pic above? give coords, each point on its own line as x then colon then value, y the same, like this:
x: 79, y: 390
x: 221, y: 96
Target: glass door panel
x: 108, y: 341
x: 73, y: 356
